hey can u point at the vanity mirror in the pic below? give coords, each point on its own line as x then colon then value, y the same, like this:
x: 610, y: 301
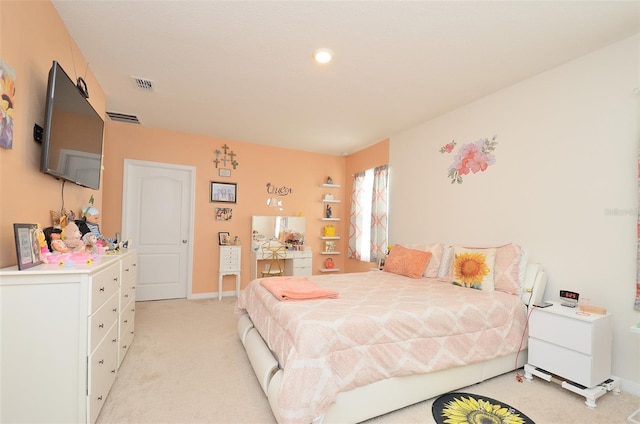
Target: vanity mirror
x: 286, y: 229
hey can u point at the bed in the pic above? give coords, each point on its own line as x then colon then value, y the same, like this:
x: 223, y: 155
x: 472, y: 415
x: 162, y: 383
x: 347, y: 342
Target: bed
x: 387, y: 341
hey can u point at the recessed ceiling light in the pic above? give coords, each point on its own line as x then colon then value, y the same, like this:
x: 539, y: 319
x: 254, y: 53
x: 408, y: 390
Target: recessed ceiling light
x: 323, y: 55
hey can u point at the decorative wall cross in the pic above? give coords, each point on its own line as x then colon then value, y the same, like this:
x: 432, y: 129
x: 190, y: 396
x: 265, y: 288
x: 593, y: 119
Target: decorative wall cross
x: 225, y: 155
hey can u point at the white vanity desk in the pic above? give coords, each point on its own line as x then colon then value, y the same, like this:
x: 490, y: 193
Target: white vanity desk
x: 296, y: 263
x: 264, y: 228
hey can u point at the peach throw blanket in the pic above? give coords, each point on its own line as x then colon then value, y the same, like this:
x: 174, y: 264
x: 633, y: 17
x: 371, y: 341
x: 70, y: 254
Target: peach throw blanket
x: 296, y: 288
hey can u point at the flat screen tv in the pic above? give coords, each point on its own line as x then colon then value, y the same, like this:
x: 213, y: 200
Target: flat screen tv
x: 73, y: 133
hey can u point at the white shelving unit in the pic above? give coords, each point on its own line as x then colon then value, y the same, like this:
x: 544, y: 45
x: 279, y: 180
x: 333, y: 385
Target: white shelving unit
x: 327, y: 199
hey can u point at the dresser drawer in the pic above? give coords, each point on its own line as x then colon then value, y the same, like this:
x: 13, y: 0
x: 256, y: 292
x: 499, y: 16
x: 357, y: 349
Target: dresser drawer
x: 302, y: 262
x: 102, y: 372
x: 127, y: 294
x: 128, y: 312
x: 126, y: 338
x: 103, y: 285
x: 102, y: 321
x: 563, y: 331
x: 129, y: 270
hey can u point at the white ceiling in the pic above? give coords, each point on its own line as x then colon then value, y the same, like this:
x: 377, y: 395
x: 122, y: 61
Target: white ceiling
x: 242, y: 70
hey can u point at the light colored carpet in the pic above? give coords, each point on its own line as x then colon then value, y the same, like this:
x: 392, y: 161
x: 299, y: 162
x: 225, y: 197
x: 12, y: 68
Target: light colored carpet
x: 186, y: 365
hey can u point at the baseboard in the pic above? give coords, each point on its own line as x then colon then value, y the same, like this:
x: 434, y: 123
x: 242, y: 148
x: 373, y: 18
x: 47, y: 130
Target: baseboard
x: 630, y: 387
x: 210, y: 295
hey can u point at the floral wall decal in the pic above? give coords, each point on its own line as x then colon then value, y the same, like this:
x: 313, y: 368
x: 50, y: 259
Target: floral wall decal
x: 448, y: 148
x: 471, y: 157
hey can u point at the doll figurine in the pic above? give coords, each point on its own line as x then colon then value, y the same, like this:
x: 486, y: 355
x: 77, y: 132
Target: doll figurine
x: 57, y: 245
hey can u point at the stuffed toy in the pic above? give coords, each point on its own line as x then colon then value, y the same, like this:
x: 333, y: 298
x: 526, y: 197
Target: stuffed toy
x: 91, y: 243
x: 73, y: 238
x: 91, y: 217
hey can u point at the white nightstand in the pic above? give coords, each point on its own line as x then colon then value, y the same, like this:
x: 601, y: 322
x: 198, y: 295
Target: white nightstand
x: 229, y: 265
x: 572, y: 348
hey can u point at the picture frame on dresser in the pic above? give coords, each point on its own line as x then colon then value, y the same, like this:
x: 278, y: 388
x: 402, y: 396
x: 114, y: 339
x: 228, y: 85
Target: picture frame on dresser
x: 223, y: 238
x: 27, y: 246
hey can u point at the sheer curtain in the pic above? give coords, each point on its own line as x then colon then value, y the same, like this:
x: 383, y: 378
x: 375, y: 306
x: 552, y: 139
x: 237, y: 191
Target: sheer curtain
x: 379, y: 213
x: 356, y: 217
x: 637, y: 301
x: 369, y: 215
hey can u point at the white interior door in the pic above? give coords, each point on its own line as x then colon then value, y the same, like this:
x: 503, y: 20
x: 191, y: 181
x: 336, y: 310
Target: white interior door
x: 157, y: 216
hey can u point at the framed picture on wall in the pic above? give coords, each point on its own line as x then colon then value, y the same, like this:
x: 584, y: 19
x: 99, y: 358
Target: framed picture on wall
x: 224, y: 192
x: 27, y: 246
x: 224, y: 214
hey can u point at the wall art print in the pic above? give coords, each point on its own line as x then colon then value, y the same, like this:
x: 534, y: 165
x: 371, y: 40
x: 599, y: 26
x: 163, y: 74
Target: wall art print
x: 470, y: 158
x: 7, y: 93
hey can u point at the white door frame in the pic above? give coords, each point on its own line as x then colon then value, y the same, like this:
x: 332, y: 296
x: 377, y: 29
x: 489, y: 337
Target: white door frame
x: 128, y: 164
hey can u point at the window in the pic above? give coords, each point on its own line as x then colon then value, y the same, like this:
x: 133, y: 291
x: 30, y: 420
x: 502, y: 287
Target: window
x: 368, y: 230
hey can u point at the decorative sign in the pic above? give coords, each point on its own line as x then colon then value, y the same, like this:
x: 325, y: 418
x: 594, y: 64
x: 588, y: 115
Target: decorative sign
x: 278, y: 191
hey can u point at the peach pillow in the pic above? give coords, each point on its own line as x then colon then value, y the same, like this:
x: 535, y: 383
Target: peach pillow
x: 407, y: 262
x: 436, y: 250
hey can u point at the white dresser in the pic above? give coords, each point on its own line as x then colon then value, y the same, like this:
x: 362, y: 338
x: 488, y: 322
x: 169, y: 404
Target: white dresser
x: 573, y: 345
x: 60, y: 335
x: 230, y: 261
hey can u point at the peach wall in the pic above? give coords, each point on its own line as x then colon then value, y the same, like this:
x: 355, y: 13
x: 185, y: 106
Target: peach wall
x: 32, y: 36
x: 368, y: 158
x: 258, y: 165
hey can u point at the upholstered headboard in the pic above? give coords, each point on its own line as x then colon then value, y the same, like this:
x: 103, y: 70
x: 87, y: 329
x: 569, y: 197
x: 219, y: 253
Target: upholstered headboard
x: 535, y: 282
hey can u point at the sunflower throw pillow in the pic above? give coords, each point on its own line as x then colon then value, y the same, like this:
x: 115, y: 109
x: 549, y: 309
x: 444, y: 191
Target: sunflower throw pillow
x: 474, y: 268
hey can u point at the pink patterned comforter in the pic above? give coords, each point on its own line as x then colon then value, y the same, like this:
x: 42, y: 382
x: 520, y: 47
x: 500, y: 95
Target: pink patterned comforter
x: 381, y: 325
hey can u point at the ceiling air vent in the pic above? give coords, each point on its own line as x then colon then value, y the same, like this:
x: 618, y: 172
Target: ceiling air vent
x: 123, y: 117
x: 143, y: 84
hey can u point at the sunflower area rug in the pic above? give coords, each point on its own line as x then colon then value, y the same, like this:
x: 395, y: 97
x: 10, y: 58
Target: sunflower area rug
x: 467, y: 408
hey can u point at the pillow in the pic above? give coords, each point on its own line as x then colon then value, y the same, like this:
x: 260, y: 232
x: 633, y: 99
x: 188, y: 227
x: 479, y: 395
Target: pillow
x: 443, y: 270
x: 407, y: 262
x: 474, y: 268
x: 436, y: 257
x: 507, y: 269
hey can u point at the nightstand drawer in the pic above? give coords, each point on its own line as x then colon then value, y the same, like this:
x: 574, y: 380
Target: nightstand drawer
x: 563, y: 331
x: 575, y: 366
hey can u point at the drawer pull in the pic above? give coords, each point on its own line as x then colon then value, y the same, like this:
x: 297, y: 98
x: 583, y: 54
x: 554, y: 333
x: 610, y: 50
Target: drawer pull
x: 100, y: 397
x: 126, y: 321
x: 113, y: 371
x: 101, y: 289
x: 115, y: 309
x: 124, y: 346
x: 101, y: 326
x: 127, y: 269
x: 101, y: 361
x: 114, y: 340
x: 115, y: 279
x: 126, y: 295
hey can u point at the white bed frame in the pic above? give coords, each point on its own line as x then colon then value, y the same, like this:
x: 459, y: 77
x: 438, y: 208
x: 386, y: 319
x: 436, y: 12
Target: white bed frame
x: 388, y: 395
